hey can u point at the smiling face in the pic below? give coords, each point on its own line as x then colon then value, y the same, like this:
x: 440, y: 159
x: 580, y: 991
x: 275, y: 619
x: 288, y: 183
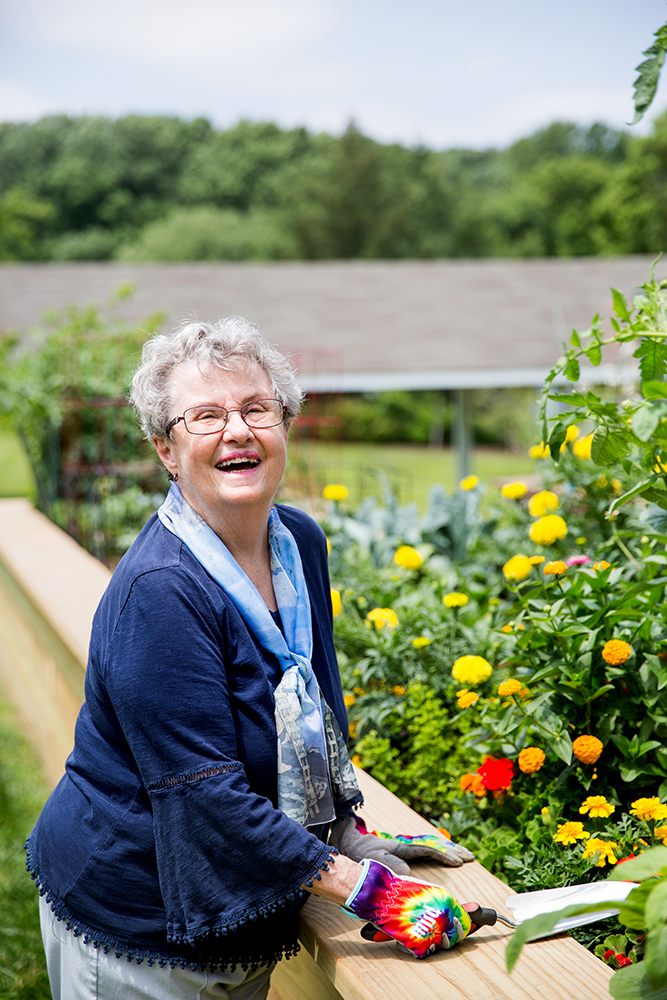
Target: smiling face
x: 234, y: 469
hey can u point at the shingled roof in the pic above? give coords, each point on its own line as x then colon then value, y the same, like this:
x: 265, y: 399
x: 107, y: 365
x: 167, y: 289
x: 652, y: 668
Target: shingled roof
x: 381, y: 324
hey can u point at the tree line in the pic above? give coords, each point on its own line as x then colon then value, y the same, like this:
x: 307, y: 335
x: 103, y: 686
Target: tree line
x: 160, y: 188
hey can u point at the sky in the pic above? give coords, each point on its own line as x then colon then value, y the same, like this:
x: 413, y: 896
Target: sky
x: 443, y: 73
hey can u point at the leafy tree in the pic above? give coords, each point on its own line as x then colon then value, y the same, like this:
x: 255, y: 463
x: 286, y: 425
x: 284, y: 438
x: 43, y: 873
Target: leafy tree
x: 20, y: 217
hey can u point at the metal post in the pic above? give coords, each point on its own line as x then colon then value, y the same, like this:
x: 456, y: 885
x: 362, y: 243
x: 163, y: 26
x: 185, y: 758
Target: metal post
x: 462, y: 432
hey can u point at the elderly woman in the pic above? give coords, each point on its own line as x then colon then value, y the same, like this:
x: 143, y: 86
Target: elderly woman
x: 209, y: 759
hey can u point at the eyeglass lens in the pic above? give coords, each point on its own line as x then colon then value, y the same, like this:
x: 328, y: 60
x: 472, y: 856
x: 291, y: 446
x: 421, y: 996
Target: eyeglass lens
x: 209, y: 419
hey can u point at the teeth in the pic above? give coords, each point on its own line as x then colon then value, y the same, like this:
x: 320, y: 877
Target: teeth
x: 226, y: 463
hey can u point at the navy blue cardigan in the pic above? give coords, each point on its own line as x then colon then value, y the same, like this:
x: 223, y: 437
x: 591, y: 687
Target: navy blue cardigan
x: 163, y: 840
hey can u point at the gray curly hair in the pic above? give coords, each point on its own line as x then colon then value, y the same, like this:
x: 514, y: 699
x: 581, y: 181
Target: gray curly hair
x: 229, y: 344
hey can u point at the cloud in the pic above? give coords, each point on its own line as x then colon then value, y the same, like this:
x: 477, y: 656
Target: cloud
x: 18, y: 104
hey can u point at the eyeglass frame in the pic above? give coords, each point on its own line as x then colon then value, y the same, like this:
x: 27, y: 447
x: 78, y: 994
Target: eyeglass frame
x: 236, y: 409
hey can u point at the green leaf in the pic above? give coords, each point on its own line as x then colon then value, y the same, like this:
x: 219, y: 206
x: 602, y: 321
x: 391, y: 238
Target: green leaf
x: 572, y: 370
x: 637, y: 490
x: 594, y: 354
x: 654, y: 390
x: 632, y: 983
x: 649, y: 73
x: 649, y: 863
x: 620, y: 305
x: 646, y: 418
x: 562, y: 747
x: 656, y: 956
x: 572, y: 398
x: 608, y: 445
x: 574, y: 339
x: 652, y: 355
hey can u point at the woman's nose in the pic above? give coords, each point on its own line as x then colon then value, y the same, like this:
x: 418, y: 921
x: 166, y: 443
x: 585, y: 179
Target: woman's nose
x: 236, y: 428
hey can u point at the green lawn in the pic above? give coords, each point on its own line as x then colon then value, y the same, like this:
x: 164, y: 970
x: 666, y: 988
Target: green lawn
x: 411, y: 469
x: 23, y: 790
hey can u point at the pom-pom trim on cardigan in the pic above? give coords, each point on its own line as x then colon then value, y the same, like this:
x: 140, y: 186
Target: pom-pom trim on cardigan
x: 238, y: 947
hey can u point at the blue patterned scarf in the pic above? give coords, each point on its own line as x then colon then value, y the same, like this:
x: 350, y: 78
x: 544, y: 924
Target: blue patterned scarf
x: 314, y: 769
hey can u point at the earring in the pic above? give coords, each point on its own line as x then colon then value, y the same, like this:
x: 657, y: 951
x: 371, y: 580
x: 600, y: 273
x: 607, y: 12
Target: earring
x: 172, y: 477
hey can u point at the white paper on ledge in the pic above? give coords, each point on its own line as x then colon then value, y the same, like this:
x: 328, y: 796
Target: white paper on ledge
x: 531, y: 904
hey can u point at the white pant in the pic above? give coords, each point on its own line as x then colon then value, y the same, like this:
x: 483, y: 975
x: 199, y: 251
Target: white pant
x: 78, y: 971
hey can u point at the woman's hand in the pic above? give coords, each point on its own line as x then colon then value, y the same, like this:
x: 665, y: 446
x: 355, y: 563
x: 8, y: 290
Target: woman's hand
x: 339, y: 882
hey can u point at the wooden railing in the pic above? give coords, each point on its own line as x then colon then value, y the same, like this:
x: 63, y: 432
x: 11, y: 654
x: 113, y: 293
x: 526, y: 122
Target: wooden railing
x: 49, y: 589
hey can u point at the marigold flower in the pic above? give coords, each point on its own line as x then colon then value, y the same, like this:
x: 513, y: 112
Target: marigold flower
x: 496, y: 773
x: 646, y: 809
x: 381, y: 617
x: 455, y: 600
x: 555, y: 568
x: 531, y: 759
x: 356, y: 759
x: 617, y: 484
x: 336, y: 603
x: 602, y: 565
x: 399, y: 690
x: 587, y: 749
x: 408, y: 557
x: 616, y: 651
x: 420, y: 641
x: 352, y: 730
x: 571, y: 434
x: 514, y: 491
x: 579, y: 560
x: 535, y: 560
x: 467, y: 698
x: 582, y: 447
x: 349, y: 700
x: 604, y: 849
x: 469, y: 483
x: 509, y: 687
x: 472, y: 783
x: 335, y: 491
x: 597, y: 806
x: 517, y: 568
x: 570, y: 833
x: 471, y: 670
x: 661, y: 833
x: 507, y: 628
x: 548, y: 529
x: 540, y: 450
x: 541, y: 503
x: 444, y: 832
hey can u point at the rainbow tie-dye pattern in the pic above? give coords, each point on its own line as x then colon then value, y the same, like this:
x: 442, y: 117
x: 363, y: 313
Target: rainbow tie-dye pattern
x: 421, y: 916
x: 432, y: 840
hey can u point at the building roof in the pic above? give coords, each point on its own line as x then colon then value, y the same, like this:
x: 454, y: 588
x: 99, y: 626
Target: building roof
x: 364, y: 325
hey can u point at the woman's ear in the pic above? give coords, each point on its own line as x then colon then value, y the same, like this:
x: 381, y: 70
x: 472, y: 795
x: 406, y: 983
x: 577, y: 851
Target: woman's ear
x: 165, y: 450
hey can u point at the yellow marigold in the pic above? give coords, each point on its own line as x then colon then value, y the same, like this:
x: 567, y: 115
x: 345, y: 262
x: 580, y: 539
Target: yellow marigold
x: 473, y: 783
x: 601, y: 482
x: 582, y: 447
x: 336, y: 603
x: 531, y: 760
x: 407, y: 557
x: 509, y: 687
x: 356, y: 759
x: 604, y: 850
x: 359, y: 691
x: 517, y: 568
x: 587, y: 749
x: 661, y: 833
x: 334, y: 491
x: 471, y: 670
x: 421, y: 641
x: 535, y: 560
x: 616, y: 651
x: 399, y: 690
x: 455, y: 600
x: 514, y: 491
x: 597, y: 806
x: 467, y: 698
x: 617, y: 484
x: 381, y: 618
x: 541, y: 503
x: 349, y: 700
x: 548, y: 529
x: 602, y: 565
x: 469, y: 483
x: 540, y: 450
x: 659, y: 465
x: 507, y: 628
x: 555, y: 568
x: 648, y: 808
x: 328, y: 547
x: 570, y: 833
x: 352, y: 730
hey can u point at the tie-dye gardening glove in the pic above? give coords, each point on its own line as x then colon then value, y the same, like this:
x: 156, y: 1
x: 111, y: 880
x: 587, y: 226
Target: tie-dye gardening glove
x: 420, y: 916
x: 352, y: 839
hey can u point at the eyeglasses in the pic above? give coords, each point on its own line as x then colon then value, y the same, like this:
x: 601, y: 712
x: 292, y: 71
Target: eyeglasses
x: 213, y: 419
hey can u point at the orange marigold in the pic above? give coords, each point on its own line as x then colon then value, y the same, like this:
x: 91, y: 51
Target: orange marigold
x: 587, y: 749
x: 531, y: 760
x: 472, y: 783
x: 555, y: 568
x: 509, y: 687
x: 616, y: 651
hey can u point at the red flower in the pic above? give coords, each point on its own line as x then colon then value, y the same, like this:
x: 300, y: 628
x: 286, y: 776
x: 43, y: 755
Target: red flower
x: 629, y: 858
x: 609, y: 953
x: 496, y: 774
x: 623, y: 960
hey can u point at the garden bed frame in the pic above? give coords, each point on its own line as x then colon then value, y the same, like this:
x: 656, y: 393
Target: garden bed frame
x: 49, y: 589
